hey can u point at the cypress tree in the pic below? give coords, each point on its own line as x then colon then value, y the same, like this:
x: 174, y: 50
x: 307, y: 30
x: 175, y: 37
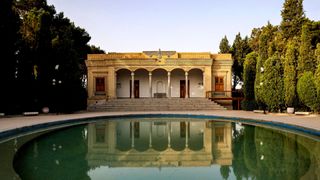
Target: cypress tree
x: 306, y: 61
x: 290, y: 74
x: 292, y: 18
x: 224, y: 45
x: 249, y: 75
x: 265, y: 38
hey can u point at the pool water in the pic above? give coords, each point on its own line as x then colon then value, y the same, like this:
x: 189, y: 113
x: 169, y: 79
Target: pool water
x: 162, y: 148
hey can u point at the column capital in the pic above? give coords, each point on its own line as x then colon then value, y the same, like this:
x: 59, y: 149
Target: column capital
x: 150, y: 73
x: 186, y: 73
x: 169, y: 73
x: 132, y: 73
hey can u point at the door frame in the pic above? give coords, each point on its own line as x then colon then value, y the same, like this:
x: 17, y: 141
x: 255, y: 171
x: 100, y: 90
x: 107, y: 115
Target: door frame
x: 183, y: 88
x: 136, y: 88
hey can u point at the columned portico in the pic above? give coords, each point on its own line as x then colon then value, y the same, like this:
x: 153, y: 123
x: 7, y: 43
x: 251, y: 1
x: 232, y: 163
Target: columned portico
x: 153, y: 74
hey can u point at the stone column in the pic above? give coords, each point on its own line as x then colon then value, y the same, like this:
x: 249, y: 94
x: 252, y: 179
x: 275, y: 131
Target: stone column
x: 132, y: 134
x: 115, y: 85
x: 187, y: 133
x: 169, y: 84
x: 150, y: 84
x: 132, y: 85
x: 187, y: 85
x: 169, y: 134
x: 204, y: 83
x: 150, y: 135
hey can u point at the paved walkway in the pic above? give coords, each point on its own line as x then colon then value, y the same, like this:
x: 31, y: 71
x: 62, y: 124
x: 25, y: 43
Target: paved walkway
x: 309, y: 121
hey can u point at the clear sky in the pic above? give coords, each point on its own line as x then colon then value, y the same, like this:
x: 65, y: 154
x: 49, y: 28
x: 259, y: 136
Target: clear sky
x: 180, y: 25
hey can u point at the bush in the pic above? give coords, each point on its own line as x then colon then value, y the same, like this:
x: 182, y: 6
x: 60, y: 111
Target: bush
x: 249, y: 105
x: 307, y: 91
x: 272, y: 84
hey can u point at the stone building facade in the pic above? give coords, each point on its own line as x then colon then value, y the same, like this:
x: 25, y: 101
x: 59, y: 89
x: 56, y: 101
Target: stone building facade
x: 157, y: 74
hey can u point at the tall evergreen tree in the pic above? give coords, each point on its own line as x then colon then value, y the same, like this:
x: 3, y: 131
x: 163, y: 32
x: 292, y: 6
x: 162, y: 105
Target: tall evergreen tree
x: 249, y: 75
x: 224, y: 45
x: 9, y: 27
x: 292, y: 18
x: 290, y: 74
x: 306, y: 61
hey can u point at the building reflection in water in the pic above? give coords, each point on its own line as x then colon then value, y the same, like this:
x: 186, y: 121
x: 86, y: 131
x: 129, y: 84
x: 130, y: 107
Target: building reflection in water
x: 154, y: 143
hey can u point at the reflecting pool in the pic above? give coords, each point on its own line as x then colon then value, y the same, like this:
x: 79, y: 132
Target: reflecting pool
x: 155, y: 148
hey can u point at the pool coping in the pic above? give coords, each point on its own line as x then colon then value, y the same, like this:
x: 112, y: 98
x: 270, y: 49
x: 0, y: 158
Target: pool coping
x: 271, y: 120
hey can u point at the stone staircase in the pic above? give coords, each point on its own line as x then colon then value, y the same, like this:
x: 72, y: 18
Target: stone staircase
x: 156, y: 104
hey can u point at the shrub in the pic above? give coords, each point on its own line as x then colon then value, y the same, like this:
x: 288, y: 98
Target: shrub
x: 307, y: 91
x: 272, y: 84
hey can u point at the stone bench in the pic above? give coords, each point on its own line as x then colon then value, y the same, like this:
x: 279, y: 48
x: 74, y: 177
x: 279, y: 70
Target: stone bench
x: 31, y: 113
x: 260, y: 111
x: 302, y: 113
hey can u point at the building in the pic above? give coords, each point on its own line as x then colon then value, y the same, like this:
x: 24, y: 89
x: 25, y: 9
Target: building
x: 157, y: 74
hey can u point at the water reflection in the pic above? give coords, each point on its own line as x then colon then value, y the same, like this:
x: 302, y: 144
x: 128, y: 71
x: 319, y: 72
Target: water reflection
x: 168, y: 149
x: 159, y: 143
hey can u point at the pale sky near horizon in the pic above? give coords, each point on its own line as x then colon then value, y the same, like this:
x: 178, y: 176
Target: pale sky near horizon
x: 179, y: 25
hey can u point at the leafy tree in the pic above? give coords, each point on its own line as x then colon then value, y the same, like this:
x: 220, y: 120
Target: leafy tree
x: 8, y: 49
x: 96, y: 50
x: 240, y: 49
x: 224, y: 45
x: 317, y: 54
x: 272, y: 83
x: 225, y: 171
x: 317, y: 81
x: 265, y: 37
x: 249, y: 75
x: 306, y: 61
x: 292, y: 18
x: 254, y: 39
x: 290, y: 74
x: 307, y: 91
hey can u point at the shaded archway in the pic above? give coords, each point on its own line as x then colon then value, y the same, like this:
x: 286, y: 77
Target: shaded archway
x: 159, y: 83
x: 142, y: 76
x: 196, y: 83
x: 177, y: 77
x: 123, y: 83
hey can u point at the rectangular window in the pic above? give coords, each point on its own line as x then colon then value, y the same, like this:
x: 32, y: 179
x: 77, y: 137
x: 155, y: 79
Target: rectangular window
x: 100, y: 85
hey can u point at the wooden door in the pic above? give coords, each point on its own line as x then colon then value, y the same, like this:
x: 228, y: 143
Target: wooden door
x: 183, y: 88
x: 219, y: 84
x: 136, y: 89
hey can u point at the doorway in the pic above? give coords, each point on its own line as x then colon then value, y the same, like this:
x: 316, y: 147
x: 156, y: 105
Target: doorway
x: 183, y: 88
x: 136, y: 89
x: 219, y: 84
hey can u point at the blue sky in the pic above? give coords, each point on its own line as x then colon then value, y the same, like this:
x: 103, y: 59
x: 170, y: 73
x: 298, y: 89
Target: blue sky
x: 180, y: 25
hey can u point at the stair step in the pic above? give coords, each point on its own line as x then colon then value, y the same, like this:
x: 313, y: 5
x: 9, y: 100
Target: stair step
x: 165, y: 104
